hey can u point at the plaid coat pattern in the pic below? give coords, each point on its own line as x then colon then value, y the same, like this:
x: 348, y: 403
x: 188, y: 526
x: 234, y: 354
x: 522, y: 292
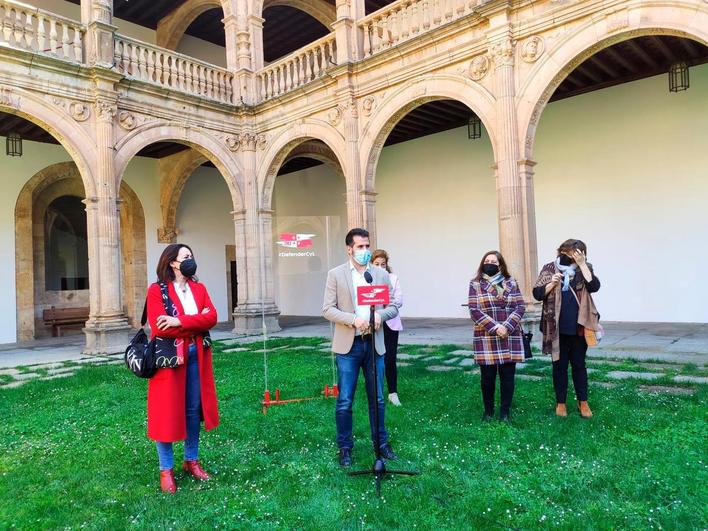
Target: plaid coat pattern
x: 489, y: 309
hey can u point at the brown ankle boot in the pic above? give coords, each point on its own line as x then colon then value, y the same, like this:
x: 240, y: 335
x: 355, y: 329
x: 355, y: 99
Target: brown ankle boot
x: 561, y: 410
x: 584, y: 409
x: 167, y: 481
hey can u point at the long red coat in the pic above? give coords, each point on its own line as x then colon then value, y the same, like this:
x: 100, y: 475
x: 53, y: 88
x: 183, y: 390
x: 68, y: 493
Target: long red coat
x: 166, y: 390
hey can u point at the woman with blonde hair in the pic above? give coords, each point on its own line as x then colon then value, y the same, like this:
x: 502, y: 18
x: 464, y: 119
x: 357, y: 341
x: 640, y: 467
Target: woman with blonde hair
x: 391, y: 328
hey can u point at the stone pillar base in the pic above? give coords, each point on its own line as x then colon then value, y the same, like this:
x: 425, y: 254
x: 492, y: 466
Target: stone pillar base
x: 249, y: 319
x: 532, y: 320
x: 107, y: 337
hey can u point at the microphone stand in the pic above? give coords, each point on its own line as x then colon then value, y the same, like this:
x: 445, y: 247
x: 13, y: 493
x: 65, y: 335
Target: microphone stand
x: 379, y: 469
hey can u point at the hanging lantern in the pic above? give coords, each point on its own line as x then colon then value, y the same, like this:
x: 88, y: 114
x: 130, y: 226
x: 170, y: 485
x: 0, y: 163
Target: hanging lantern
x: 13, y: 145
x: 474, y: 127
x: 678, y: 77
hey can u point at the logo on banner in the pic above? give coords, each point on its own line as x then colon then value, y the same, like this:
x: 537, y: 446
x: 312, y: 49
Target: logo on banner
x: 296, y: 242
x: 372, y: 295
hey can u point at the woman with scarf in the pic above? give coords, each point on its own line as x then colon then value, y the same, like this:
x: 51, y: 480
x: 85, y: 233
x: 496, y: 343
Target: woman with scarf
x: 564, y: 286
x: 180, y: 397
x: 496, y: 306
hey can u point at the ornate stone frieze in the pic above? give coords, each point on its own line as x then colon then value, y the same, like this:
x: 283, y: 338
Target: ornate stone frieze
x: 127, y: 120
x: 79, y: 111
x: 334, y: 117
x: 9, y: 98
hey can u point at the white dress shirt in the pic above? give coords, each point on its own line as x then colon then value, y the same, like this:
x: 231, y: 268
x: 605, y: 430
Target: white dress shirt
x: 186, y: 298
x: 362, y: 312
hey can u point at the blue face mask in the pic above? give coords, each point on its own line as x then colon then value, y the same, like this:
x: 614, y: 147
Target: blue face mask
x: 362, y: 256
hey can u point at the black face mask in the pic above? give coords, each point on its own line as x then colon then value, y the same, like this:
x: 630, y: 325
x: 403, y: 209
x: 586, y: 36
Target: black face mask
x: 565, y: 260
x: 188, y: 267
x: 490, y: 269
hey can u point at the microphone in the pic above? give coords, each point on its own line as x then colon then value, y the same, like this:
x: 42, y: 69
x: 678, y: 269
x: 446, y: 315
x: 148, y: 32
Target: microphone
x: 367, y: 276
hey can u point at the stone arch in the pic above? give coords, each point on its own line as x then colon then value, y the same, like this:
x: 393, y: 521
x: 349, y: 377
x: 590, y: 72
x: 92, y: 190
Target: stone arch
x: 56, y: 121
x: 683, y: 19
x: 414, y: 94
x: 172, y: 183
x: 321, y: 10
x: 196, y: 138
x: 39, y: 191
x: 171, y: 28
x: 316, y: 151
x: 133, y: 253
x: 289, y: 139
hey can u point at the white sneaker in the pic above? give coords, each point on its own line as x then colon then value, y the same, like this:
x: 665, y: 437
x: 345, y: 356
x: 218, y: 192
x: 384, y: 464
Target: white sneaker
x: 393, y: 398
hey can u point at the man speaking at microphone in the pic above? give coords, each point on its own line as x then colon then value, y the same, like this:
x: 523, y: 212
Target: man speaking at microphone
x: 352, y: 340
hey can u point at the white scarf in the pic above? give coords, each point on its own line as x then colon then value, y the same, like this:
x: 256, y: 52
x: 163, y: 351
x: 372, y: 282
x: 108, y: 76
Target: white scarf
x: 568, y: 273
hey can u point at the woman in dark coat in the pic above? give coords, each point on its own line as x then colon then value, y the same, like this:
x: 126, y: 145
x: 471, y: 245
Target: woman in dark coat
x: 496, y: 306
x: 179, y: 398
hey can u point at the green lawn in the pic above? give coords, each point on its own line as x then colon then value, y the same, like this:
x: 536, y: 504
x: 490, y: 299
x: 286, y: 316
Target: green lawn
x: 74, y: 454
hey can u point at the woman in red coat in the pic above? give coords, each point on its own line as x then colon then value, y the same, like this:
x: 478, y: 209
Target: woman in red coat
x: 179, y: 398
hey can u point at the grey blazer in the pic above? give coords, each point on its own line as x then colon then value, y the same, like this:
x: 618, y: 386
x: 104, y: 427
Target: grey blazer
x: 339, y: 307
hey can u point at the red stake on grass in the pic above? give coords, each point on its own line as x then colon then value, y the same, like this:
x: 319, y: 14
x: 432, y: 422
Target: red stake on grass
x: 267, y: 402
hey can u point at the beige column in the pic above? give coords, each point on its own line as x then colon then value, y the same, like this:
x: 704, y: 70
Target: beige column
x: 98, y: 16
x: 528, y: 206
x: 238, y: 57
x: 257, y: 310
x: 368, y: 208
x: 349, y: 37
x: 509, y: 192
x: 107, y: 329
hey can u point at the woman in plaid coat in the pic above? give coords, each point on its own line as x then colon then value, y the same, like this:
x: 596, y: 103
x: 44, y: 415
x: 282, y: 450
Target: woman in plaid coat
x: 496, y: 307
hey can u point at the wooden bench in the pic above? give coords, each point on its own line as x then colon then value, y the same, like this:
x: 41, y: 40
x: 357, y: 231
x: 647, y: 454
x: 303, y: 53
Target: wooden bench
x: 58, y: 317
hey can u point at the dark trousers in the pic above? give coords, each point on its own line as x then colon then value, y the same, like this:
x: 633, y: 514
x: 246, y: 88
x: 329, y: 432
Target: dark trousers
x: 391, y: 342
x: 506, y: 385
x: 572, y: 350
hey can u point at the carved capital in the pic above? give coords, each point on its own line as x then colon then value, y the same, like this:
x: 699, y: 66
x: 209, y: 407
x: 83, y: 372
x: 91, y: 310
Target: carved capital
x: 167, y: 235
x: 503, y: 52
x: 106, y: 110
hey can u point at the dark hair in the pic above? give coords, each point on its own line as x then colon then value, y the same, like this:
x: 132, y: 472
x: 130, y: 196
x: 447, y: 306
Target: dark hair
x: 568, y: 246
x: 502, y: 265
x: 349, y: 240
x: 169, y: 255
x: 380, y: 253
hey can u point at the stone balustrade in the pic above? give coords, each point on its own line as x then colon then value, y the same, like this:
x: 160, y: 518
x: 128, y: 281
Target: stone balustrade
x: 32, y: 29
x: 406, y: 19
x: 152, y: 64
x: 297, y: 69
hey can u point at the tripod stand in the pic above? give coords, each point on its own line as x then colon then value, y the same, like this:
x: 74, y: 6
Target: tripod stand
x: 379, y: 469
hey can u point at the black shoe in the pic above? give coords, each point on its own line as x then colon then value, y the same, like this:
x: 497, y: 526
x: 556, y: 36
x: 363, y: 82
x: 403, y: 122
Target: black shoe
x: 387, y: 453
x: 345, y: 457
x: 504, y: 417
x: 487, y: 417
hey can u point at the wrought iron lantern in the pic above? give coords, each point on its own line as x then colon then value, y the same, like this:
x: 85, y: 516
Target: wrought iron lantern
x: 678, y: 77
x: 474, y: 127
x: 13, y: 145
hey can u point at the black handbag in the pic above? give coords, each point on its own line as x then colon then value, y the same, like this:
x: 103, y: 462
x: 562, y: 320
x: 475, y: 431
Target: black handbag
x: 527, y: 337
x: 144, y: 356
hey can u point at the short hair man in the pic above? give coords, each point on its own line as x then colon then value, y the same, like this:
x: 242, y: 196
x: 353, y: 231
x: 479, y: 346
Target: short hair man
x: 352, y: 341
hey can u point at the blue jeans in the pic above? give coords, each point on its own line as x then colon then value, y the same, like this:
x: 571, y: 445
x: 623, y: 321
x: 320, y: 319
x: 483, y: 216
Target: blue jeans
x: 348, y: 366
x: 193, y: 406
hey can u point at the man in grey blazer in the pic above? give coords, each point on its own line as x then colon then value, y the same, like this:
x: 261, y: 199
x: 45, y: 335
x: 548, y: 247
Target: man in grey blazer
x: 352, y: 340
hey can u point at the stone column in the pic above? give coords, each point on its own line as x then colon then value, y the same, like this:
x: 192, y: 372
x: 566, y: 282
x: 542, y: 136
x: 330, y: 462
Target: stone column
x: 98, y: 16
x: 350, y: 38
x: 509, y: 191
x: 254, y: 234
x: 238, y: 58
x: 368, y: 203
x: 528, y: 218
x: 107, y: 329
x: 351, y: 165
